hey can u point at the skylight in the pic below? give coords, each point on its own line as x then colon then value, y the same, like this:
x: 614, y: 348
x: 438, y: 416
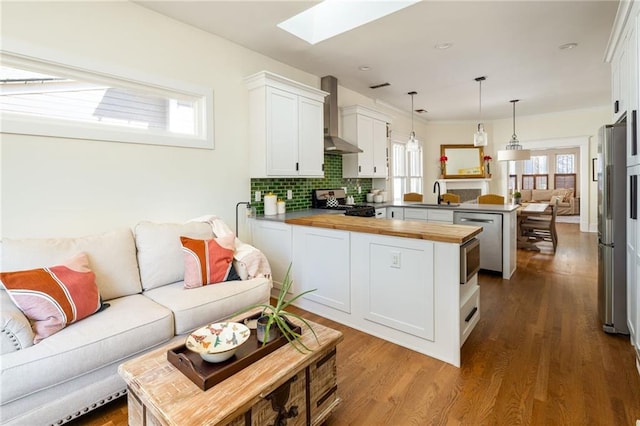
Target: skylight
x: 333, y: 17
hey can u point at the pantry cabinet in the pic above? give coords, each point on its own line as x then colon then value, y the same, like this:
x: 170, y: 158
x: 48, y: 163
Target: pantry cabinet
x: 367, y: 129
x: 286, y: 135
x: 624, y: 53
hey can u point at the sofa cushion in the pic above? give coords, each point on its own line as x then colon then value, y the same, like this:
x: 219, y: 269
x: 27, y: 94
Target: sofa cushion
x: 160, y: 255
x: 131, y: 325
x: 56, y: 296
x: 541, y: 195
x: 208, y: 261
x: 193, y: 308
x: 526, y: 195
x: 112, y: 257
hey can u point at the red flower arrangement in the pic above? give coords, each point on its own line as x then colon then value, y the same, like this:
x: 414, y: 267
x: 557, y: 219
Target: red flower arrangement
x: 487, y: 158
x: 443, y: 158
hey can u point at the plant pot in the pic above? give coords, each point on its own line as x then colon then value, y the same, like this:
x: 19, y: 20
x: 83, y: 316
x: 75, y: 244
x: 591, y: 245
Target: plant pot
x: 261, y: 330
x: 516, y: 200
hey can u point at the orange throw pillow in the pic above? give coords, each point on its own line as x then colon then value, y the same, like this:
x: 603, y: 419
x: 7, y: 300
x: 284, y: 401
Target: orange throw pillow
x: 54, y: 297
x: 208, y: 261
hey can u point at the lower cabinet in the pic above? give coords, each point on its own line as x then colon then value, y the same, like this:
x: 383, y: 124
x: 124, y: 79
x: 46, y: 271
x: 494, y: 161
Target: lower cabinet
x: 321, y: 262
x: 633, y: 258
x: 274, y: 240
x: 395, y: 213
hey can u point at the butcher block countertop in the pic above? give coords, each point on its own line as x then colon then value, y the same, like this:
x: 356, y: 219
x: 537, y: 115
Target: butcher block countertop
x: 457, y: 234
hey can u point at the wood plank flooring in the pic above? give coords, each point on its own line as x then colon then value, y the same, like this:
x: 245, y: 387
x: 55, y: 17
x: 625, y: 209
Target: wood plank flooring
x: 537, y: 357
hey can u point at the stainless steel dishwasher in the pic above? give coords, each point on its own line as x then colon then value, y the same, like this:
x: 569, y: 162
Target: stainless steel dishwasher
x: 490, y: 237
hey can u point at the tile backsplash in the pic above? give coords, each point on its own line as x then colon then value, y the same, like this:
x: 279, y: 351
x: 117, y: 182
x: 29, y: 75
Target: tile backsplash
x: 302, y: 187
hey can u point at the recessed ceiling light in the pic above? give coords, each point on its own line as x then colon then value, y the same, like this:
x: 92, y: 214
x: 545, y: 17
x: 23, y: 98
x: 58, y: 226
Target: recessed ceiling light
x: 364, y: 68
x: 330, y: 17
x: 567, y: 46
x: 443, y: 46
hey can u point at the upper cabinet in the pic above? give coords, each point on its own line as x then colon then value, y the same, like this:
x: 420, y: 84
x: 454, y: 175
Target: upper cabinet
x: 285, y: 127
x: 367, y: 129
x: 624, y: 54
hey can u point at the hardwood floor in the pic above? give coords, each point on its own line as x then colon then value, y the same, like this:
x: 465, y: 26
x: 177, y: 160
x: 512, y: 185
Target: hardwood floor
x: 538, y: 356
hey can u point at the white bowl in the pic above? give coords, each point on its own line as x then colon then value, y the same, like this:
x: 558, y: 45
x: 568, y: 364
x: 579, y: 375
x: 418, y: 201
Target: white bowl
x: 218, y: 342
x: 377, y: 198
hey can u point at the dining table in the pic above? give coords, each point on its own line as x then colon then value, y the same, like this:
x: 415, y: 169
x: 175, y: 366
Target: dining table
x: 524, y: 212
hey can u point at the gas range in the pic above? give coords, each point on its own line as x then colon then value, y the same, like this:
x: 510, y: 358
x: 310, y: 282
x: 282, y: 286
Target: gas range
x: 335, y: 199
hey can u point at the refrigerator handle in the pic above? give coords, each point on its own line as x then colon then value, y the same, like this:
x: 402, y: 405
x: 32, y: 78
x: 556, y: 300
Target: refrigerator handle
x: 607, y: 190
x: 634, y: 132
x: 633, y: 197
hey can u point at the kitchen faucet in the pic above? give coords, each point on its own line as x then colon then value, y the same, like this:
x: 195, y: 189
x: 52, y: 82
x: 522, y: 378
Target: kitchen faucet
x: 436, y: 184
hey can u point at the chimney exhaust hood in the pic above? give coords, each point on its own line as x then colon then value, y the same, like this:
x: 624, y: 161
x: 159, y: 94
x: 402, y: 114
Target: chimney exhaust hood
x: 332, y: 143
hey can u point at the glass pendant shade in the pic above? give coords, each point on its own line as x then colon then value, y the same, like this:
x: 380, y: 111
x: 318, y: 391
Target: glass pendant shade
x: 480, y: 138
x: 514, y: 151
x: 412, y: 144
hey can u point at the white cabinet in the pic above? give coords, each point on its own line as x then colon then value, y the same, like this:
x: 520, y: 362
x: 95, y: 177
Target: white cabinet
x: 381, y: 213
x: 274, y: 240
x: 321, y: 260
x: 367, y: 129
x: 395, y: 213
x: 437, y: 215
x: 633, y: 86
x: 619, y: 83
x: 285, y: 127
x: 633, y: 256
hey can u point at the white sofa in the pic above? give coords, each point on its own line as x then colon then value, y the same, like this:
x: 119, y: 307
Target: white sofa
x: 139, y: 274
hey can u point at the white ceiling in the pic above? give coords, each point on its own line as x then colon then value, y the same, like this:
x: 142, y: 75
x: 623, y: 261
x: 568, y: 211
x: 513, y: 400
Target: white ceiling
x: 514, y: 43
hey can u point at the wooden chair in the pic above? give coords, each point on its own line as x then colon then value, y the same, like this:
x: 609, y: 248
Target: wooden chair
x: 412, y: 196
x: 542, y: 228
x: 490, y: 199
x: 450, y: 198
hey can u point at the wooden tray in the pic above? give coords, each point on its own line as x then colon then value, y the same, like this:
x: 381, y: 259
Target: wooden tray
x: 206, y: 374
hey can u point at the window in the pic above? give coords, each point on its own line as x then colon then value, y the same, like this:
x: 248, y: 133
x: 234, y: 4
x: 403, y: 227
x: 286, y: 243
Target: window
x: 536, y: 165
x: 565, y: 180
x: 406, y: 169
x: 530, y: 181
x: 513, y: 182
x: 565, y: 163
x: 37, y: 97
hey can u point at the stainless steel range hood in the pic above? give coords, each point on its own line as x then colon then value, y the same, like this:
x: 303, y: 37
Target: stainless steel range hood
x: 332, y: 143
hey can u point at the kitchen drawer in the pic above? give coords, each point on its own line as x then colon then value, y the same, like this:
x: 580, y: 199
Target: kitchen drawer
x: 415, y: 214
x: 323, y: 384
x: 440, y: 215
x: 381, y: 213
x: 469, y: 314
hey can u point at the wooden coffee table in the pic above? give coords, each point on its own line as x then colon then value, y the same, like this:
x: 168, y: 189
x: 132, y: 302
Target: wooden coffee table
x: 300, y: 389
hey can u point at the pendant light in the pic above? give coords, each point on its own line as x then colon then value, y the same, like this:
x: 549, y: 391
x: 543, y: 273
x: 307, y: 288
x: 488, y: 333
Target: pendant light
x: 412, y: 144
x: 513, y: 151
x: 480, y: 138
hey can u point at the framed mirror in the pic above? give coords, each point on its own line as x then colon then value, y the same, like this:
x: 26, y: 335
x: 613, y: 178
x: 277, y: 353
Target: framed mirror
x: 463, y: 161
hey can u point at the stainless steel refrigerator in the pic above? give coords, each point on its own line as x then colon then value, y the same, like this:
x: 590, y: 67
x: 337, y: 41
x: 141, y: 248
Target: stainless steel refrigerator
x: 612, y: 270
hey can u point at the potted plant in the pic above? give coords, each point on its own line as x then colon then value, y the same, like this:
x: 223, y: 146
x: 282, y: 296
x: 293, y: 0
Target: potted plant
x: 273, y: 320
x: 516, y: 197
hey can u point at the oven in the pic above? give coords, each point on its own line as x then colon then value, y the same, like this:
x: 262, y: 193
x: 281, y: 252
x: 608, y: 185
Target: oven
x: 335, y: 199
x: 469, y: 260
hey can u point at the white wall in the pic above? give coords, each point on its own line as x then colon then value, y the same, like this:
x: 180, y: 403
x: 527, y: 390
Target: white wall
x: 57, y: 187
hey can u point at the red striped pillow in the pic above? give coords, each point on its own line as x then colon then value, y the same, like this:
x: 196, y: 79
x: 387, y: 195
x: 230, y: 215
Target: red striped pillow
x: 208, y: 261
x: 56, y: 296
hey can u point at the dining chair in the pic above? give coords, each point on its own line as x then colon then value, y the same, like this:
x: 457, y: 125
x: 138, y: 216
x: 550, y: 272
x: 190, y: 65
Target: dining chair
x: 412, y: 196
x: 490, y: 199
x: 450, y: 198
x: 542, y: 228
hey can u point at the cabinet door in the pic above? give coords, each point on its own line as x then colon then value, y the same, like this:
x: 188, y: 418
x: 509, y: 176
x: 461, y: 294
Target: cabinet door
x: 633, y: 254
x: 365, y: 143
x: 379, y: 134
x: 282, y: 132
x: 632, y: 111
x: 416, y: 214
x: 274, y: 240
x: 395, y: 213
x: 311, y: 141
x: 322, y: 262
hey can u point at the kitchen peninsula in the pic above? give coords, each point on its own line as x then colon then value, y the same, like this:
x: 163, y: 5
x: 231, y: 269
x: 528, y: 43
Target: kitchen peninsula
x: 398, y: 280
